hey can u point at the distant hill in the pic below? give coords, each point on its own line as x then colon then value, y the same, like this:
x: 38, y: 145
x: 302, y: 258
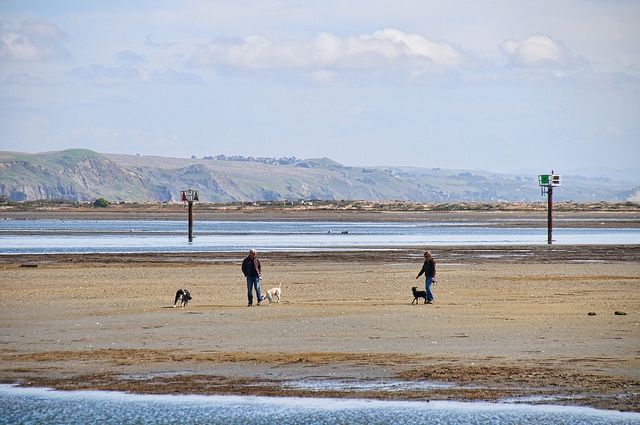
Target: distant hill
x: 83, y: 175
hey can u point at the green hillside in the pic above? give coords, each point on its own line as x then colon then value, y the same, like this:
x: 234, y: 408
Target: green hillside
x: 82, y: 175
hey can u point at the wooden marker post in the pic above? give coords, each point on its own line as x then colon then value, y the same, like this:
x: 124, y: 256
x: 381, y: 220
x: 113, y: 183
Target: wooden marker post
x: 189, y: 196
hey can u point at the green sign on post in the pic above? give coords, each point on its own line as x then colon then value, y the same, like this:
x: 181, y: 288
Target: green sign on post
x: 543, y: 179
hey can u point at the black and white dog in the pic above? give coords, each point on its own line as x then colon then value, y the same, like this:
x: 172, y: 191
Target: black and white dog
x: 418, y: 294
x: 183, y: 296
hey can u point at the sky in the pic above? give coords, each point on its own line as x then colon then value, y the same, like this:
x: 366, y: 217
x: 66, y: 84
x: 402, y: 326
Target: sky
x: 496, y: 85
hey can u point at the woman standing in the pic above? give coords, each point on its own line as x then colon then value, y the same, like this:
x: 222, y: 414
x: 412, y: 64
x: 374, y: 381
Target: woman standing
x: 429, y: 270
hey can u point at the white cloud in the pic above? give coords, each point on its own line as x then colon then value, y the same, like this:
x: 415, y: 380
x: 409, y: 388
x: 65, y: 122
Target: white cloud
x: 387, y: 49
x: 537, y: 51
x: 34, y: 41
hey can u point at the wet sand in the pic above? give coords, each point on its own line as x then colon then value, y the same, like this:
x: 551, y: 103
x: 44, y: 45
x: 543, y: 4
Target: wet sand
x: 535, y: 323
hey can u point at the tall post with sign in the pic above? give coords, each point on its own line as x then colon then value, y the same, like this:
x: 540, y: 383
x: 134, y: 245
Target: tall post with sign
x: 547, y: 182
x: 189, y: 196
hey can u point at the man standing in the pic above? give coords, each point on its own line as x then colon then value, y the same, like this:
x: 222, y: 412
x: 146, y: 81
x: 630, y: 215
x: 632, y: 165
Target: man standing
x: 429, y: 270
x: 252, y: 270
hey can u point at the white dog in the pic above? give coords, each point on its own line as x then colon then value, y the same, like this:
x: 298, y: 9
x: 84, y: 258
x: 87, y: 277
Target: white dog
x: 273, y: 292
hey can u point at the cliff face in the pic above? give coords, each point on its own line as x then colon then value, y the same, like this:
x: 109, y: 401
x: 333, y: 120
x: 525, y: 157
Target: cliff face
x: 22, y: 181
x: 82, y: 175
x: 76, y: 175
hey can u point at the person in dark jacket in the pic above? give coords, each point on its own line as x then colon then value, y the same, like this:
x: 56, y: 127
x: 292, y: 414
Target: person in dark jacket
x: 252, y: 270
x: 429, y: 271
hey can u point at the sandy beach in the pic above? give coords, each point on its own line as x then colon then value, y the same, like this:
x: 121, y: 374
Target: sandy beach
x: 535, y: 323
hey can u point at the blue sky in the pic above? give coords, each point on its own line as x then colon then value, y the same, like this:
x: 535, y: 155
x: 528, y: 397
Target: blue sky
x: 497, y: 86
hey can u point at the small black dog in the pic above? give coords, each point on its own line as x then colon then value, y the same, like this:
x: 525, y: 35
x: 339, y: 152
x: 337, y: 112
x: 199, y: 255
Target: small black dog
x: 183, y: 296
x: 418, y: 294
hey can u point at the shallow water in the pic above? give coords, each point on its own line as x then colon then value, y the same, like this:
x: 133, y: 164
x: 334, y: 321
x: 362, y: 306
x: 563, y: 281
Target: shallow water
x: 42, y: 406
x: 137, y: 236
